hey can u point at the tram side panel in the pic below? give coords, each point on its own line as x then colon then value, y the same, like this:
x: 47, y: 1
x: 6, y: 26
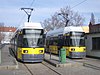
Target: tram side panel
x: 75, y: 48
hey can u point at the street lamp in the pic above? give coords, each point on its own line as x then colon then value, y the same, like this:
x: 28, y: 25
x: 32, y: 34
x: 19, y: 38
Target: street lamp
x: 65, y: 16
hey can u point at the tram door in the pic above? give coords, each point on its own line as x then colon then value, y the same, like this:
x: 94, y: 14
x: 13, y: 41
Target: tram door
x: 60, y: 42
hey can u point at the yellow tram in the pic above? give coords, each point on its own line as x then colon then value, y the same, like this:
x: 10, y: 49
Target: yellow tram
x: 71, y: 37
x: 27, y: 44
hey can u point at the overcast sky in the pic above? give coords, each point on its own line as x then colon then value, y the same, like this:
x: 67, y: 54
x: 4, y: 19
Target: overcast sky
x: 11, y: 14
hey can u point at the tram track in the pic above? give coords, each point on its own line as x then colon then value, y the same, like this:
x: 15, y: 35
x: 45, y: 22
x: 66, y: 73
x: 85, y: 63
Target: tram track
x: 89, y: 62
x: 40, y: 69
x: 28, y: 70
x: 51, y: 68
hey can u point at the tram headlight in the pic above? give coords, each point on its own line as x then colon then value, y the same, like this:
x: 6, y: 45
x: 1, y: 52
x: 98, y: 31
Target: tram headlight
x: 25, y: 51
x: 41, y: 51
x: 84, y: 49
x: 72, y: 49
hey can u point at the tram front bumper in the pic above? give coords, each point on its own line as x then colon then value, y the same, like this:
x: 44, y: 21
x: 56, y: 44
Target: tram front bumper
x: 77, y: 54
x: 32, y: 57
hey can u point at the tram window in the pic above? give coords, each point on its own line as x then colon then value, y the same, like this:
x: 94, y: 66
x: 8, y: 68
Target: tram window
x: 25, y: 42
x: 51, y: 42
x: 20, y: 41
x: 66, y: 41
x: 47, y: 42
x: 77, y: 41
x: 60, y: 42
x: 55, y: 42
x: 96, y: 43
x: 15, y: 41
x: 40, y: 42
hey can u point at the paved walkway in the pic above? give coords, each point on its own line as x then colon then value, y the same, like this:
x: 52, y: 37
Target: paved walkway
x: 76, y: 67
x: 88, y: 62
x: 7, y: 61
x: 54, y: 60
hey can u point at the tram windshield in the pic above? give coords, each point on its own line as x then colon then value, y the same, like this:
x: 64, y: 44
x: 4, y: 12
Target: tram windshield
x: 33, y: 37
x: 77, y: 39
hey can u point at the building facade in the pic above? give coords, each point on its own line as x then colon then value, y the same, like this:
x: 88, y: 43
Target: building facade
x: 93, y: 40
x: 6, y: 33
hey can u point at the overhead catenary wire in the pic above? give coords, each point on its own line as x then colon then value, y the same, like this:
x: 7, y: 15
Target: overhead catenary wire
x: 78, y: 4
x: 74, y: 7
x: 32, y: 3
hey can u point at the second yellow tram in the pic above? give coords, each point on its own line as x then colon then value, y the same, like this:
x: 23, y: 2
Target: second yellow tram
x: 72, y: 38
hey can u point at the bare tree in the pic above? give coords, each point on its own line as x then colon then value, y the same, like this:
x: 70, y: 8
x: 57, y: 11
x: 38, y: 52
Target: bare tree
x: 46, y: 24
x: 52, y: 23
x: 73, y: 18
x: 66, y: 17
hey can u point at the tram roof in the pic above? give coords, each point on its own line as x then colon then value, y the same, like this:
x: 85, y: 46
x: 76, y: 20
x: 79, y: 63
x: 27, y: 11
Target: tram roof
x: 31, y: 25
x: 65, y: 30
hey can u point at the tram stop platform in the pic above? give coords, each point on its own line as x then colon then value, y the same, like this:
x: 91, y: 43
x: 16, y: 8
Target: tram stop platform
x: 7, y: 61
x: 87, y: 62
x: 55, y: 61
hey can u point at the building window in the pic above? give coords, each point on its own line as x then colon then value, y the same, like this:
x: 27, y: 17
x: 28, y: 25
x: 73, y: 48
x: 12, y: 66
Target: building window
x: 96, y: 43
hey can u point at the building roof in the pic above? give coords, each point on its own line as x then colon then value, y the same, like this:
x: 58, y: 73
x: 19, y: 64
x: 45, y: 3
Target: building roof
x: 86, y: 29
x: 7, y: 29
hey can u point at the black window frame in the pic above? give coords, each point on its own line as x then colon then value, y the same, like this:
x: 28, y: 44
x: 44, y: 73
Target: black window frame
x: 95, y: 43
